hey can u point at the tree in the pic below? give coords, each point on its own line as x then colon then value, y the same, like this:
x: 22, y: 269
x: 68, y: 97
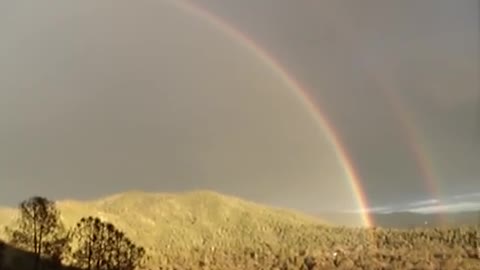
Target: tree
x: 102, y: 246
x: 124, y: 253
x: 89, y: 252
x: 38, y: 229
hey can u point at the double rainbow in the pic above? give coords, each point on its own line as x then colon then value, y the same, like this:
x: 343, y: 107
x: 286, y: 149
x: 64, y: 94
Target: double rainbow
x: 384, y: 82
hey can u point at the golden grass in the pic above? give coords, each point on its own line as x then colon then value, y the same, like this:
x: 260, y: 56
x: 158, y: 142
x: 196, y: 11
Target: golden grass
x: 183, y: 221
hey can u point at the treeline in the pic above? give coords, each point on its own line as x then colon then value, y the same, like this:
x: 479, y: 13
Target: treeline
x: 91, y: 244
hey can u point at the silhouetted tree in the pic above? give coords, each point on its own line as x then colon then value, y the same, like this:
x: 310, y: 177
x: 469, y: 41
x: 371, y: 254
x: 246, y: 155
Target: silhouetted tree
x: 88, y: 233
x: 102, y: 246
x: 38, y: 229
x: 58, y: 247
x: 124, y: 254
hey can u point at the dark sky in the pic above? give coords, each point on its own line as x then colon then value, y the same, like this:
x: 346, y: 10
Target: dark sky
x: 103, y: 97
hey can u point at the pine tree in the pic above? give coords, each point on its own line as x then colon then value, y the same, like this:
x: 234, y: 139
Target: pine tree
x: 102, y: 246
x: 38, y: 229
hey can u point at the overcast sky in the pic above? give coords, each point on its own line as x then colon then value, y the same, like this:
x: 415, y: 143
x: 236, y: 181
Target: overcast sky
x: 104, y: 97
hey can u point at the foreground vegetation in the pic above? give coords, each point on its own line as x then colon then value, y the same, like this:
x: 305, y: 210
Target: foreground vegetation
x: 291, y: 243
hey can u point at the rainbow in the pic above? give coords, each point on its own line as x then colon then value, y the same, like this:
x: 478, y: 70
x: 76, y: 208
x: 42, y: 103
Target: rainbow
x: 414, y: 142
x: 386, y: 82
x: 300, y: 92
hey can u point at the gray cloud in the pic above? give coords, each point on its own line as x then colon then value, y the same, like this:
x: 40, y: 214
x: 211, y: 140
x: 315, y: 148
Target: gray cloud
x: 101, y: 98
x: 349, y: 53
x: 147, y: 97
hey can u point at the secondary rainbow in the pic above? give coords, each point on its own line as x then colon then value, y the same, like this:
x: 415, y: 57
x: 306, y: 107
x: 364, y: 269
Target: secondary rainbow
x: 300, y: 92
x: 386, y: 82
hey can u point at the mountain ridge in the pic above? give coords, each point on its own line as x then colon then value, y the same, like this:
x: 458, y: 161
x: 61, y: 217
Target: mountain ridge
x: 183, y: 220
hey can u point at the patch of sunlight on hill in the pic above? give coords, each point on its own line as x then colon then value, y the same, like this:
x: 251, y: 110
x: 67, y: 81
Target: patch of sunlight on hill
x: 6, y: 215
x: 192, y: 219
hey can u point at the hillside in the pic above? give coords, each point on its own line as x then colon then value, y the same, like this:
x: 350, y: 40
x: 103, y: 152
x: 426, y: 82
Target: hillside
x: 184, y: 220
x: 207, y: 230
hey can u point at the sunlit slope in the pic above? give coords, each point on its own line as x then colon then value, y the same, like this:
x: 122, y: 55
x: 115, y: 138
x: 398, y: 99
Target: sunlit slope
x: 185, y: 220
